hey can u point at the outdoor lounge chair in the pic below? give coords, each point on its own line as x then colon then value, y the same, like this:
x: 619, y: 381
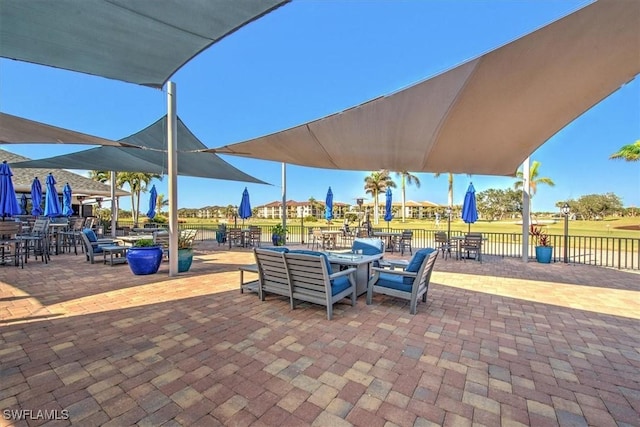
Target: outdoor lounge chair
x: 92, y: 244
x: 410, y: 283
x: 272, y: 272
x: 311, y: 279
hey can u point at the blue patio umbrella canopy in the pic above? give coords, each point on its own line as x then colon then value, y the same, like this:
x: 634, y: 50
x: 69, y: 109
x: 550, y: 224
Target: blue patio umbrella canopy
x: 244, y: 210
x: 153, y: 197
x: 36, y: 197
x: 469, y: 210
x: 67, y: 210
x: 8, y: 200
x: 328, y: 213
x: 388, y: 214
x: 23, y: 204
x: 51, y: 202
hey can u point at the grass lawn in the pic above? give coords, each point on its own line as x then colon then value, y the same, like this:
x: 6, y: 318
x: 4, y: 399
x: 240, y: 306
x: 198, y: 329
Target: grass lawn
x: 603, y: 228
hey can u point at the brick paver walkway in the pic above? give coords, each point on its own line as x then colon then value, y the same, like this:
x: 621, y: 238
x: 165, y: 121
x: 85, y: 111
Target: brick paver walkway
x: 500, y: 342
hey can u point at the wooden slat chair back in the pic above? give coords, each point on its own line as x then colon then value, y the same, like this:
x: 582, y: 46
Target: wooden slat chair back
x: 255, y: 235
x: 443, y: 244
x: 162, y: 238
x: 410, y: 283
x: 234, y: 236
x: 311, y: 280
x: 472, y: 246
x: 405, y: 241
x: 272, y: 273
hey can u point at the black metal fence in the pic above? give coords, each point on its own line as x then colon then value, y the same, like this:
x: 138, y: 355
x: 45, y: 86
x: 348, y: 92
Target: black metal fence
x: 615, y: 252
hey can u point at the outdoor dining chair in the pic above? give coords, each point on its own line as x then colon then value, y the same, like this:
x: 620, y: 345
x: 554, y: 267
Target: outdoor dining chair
x: 36, y: 241
x: 471, y: 247
x: 443, y: 244
x: 405, y: 242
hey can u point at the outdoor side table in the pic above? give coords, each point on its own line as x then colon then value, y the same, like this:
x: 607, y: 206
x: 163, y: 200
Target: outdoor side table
x: 251, y: 286
x: 118, y: 251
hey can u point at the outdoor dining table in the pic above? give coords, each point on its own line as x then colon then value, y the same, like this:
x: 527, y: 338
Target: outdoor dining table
x: 457, y: 241
x: 362, y: 263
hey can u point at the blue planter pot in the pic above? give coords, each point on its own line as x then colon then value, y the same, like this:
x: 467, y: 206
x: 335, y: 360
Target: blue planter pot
x: 277, y: 240
x: 144, y: 260
x: 185, y: 258
x: 544, y: 253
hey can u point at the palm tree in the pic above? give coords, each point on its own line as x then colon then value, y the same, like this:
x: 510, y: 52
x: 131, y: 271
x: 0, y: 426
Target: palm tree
x: 375, y: 184
x: 630, y: 152
x: 137, y: 182
x: 534, y: 180
x: 450, y: 199
x: 407, y: 178
x: 161, y: 202
x: 315, y: 206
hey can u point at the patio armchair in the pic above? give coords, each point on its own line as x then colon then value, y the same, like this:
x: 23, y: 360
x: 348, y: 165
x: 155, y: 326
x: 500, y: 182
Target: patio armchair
x: 409, y: 284
x: 272, y: 272
x: 92, y: 243
x: 311, y: 279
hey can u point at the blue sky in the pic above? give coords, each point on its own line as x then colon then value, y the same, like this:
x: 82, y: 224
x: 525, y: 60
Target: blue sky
x: 309, y: 59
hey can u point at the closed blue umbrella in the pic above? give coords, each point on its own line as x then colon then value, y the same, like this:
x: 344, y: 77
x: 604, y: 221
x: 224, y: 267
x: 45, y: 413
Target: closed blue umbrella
x: 8, y: 200
x: 51, y: 202
x: 23, y: 204
x: 153, y: 197
x: 388, y: 215
x: 67, y: 210
x: 469, y: 210
x: 328, y: 213
x: 36, y: 197
x: 244, y: 210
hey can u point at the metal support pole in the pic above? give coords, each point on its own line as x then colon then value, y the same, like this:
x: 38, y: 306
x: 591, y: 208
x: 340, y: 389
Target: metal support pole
x: 526, y: 197
x: 172, y: 172
x: 566, y: 239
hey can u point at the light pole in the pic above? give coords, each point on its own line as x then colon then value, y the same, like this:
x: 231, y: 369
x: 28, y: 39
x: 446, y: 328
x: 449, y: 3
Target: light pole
x: 448, y: 211
x: 566, y: 210
x: 235, y: 217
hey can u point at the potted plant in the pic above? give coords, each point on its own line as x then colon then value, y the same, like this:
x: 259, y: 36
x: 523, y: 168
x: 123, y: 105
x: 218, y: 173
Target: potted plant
x: 185, y: 249
x: 278, y: 235
x: 144, y: 257
x: 544, y: 250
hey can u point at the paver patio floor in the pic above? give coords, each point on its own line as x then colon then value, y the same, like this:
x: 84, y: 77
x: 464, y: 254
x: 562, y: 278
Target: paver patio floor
x: 497, y: 343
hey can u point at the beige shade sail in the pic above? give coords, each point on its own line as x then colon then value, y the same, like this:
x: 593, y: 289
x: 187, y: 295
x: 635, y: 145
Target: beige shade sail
x: 482, y: 117
x: 18, y: 130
